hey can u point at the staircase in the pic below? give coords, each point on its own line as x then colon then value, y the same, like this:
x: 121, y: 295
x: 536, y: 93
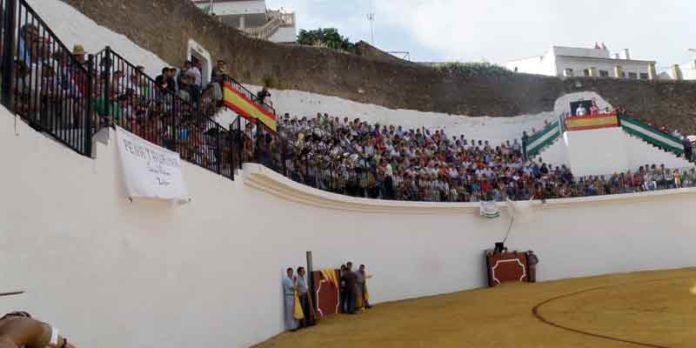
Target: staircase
x: 652, y: 136
x: 542, y: 139
x: 277, y: 20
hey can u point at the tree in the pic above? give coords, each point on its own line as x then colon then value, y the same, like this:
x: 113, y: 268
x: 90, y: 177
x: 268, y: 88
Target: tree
x: 325, y: 37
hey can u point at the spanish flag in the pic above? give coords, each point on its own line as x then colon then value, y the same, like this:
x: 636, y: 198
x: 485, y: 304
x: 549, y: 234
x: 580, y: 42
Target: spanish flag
x: 592, y: 122
x: 246, y: 107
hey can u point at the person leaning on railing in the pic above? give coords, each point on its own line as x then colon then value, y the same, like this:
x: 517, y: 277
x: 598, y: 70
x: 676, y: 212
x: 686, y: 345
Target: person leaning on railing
x: 217, y: 79
x: 18, y: 329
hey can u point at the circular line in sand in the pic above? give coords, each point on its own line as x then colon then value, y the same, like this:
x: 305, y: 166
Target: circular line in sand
x: 535, y: 312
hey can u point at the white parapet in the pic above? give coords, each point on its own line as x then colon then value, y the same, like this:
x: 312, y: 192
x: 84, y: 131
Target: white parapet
x: 597, y: 152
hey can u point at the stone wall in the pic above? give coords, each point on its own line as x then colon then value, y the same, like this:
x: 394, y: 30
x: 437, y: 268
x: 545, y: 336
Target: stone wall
x: 165, y: 26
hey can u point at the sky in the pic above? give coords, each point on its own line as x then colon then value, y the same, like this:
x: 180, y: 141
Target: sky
x: 497, y: 31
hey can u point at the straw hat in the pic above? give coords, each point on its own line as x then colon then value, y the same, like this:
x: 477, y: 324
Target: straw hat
x: 78, y: 49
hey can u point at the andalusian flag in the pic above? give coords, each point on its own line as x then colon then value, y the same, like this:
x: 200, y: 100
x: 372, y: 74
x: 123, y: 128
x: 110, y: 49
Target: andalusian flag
x: 247, y: 108
x: 489, y: 210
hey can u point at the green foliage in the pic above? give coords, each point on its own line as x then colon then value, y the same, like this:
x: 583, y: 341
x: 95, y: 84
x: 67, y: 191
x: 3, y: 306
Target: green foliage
x: 472, y: 69
x: 325, y: 37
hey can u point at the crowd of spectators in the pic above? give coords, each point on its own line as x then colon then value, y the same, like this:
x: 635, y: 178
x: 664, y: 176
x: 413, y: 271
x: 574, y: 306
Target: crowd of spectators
x: 341, y: 155
x: 356, y: 158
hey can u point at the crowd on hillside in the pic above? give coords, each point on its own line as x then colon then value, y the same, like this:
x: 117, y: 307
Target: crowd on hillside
x: 357, y: 158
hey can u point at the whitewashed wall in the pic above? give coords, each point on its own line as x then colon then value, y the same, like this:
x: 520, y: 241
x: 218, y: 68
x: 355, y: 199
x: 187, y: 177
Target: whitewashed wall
x: 111, y: 273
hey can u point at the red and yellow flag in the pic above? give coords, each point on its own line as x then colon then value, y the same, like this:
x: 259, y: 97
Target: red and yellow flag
x: 247, y: 108
x: 592, y: 122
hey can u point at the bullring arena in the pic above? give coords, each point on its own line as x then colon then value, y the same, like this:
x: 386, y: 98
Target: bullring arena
x: 133, y: 214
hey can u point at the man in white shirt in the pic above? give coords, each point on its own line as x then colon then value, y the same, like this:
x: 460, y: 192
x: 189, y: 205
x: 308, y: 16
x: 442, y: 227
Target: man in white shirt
x: 581, y: 111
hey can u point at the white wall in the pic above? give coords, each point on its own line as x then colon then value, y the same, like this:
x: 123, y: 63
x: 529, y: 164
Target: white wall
x: 641, y: 153
x: 111, y: 273
x: 597, y: 151
x: 689, y: 70
x: 539, y: 65
x: 72, y: 27
x: 578, y: 64
x: 238, y: 7
x: 284, y: 35
x: 556, y: 154
x: 555, y: 61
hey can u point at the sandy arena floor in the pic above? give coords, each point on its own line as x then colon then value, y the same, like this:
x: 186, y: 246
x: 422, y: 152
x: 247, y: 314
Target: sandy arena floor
x: 647, y: 309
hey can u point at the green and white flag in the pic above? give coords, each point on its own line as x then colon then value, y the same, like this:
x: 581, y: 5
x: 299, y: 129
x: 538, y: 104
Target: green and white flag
x: 489, y: 210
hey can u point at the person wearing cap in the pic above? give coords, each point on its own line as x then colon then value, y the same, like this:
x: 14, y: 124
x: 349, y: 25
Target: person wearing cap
x: 79, y: 54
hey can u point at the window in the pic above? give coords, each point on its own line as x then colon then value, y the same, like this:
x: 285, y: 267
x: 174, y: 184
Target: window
x: 603, y: 73
x: 632, y: 76
x: 586, y: 72
x: 568, y: 72
x: 644, y: 76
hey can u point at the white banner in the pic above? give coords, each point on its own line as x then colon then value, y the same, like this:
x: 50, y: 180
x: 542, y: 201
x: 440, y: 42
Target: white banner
x: 149, y: 171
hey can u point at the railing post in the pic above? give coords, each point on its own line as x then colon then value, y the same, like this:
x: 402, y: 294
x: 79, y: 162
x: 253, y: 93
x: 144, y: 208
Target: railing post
x: 231, y: 144
x: 218, y: 154
x: 107, y: 61
x: 89, y: 109
x: 257, y: 149
x: 8, y: 53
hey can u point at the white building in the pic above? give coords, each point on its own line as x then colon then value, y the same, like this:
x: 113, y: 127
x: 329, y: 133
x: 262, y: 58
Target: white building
x: 253, y: 18
x: 682, y: 72
x: 585, y: 62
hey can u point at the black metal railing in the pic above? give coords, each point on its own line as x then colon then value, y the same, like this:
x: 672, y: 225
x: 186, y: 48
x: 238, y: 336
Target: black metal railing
x: 70, y: 97
x: 162, y: 113
x: 42, y: 81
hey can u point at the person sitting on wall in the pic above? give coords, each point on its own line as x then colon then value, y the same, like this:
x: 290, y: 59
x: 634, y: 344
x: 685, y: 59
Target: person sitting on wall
x: 263, y: 96
x: 581, y: 111
x: 18, y: 329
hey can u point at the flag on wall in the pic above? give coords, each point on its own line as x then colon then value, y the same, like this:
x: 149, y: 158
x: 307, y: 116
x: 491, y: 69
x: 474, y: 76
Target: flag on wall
x: 246, y: 107
x: 592, y: 122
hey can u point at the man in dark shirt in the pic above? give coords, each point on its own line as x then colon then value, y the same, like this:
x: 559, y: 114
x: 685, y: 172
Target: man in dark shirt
x: 166, y: 80
x: 532, y: 261
x: 161, y: 80
x: 351, y: 282
x: 262, y: 95
x: 688, y: 148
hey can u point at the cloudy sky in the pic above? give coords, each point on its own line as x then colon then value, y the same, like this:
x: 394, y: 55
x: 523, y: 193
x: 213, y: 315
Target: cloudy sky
x: 501, y: 30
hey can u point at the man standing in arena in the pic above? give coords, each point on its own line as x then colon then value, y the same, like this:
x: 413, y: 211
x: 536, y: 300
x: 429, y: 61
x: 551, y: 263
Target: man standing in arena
x: 351, y: 282
x: 362, y: 285
x: 289, y: 300
x: 532, y: 261
x: 305, y: 299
